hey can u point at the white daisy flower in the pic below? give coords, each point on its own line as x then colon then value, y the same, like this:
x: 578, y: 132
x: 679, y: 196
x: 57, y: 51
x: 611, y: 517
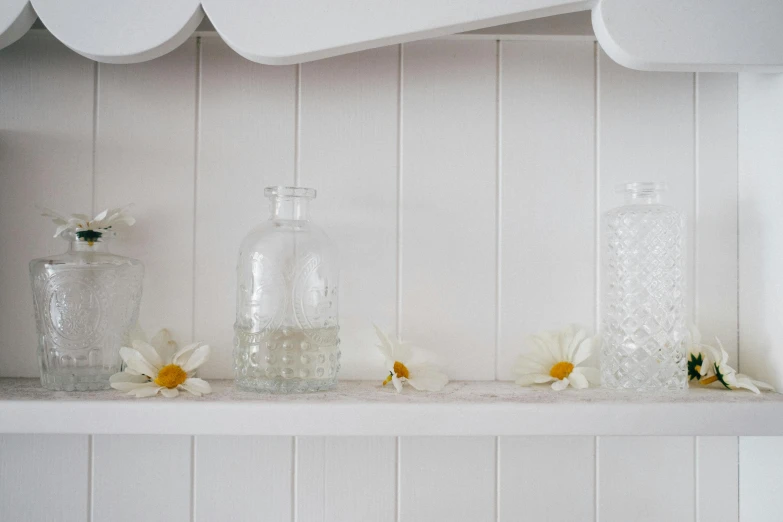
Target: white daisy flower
x: 83, y: 224
x: 555, y: 358
x: 398, y: 356
x: 147, y: 372
x: 727, y: 375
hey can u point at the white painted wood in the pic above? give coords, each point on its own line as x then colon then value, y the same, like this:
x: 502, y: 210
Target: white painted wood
x: 546, y: 479
x: 348, y: 151
x: 761, y: 226
x: 646, y: 133
x: 717, y: 472
x: 448, y: 180
x: 760, y: 479
x: 644, y: 479
x: 46, y: 95
x: 262, y: 31
x: 346, y: 479
x: 364, y: 408
x: 717, y: 36
x: 246, y: 141
x: 716, y: 230
x: 16, y: 18
x: 571, y: 26
x: 243, y: 478
x: 44, y: 478
x: 137, y: 477
x: 120, y: 32
x: 548, y: 197
x: 144, y: 154
x: 450, y: 478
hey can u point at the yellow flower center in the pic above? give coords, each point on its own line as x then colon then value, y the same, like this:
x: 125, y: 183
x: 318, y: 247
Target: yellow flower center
x: 561, y: 370
x: 400, y: 370
x: 171, y: 376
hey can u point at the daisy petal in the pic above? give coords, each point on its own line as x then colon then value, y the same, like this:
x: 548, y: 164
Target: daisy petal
x: 128, y: 377
x: 149, y: 353
x: 427, y: 378
x: 592, y: 374
x: 199, y: 357
x: 169, y: 392
x: 578, y: 380
x: 127, y: 386
x: 397, y: 383
x: 161, y: 339
x: 582, y: 352
x: 136, y: 362
x: 532, y: 378
x: 183, y: 355
x: 196, y: 386
x: 385, y: 345
x: 560, y: 385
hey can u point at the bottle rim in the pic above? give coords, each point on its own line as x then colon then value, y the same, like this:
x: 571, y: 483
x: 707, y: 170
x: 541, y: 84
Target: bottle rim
x: 289, y: 192
x: 642, y: 188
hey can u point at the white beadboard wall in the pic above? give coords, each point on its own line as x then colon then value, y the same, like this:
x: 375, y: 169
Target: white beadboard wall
x: 462, y: 180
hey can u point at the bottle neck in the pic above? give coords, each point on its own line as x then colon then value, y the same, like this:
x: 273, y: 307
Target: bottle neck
x: 81, y: 245
x: 642, y: 198
x: 290, y: 208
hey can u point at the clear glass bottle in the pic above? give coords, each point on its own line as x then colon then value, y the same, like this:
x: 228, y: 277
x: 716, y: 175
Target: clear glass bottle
x: 86, y: 304
x: 286, y: 331
x: 644, y: 329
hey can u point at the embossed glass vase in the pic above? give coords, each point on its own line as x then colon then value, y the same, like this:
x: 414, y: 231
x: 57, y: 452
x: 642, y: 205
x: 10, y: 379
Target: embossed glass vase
x: 286, y: 331
x: 643, y: 327
x: 86, y: 304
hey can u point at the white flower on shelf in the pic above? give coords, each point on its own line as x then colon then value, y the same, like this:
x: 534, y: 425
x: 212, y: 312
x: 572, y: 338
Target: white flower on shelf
x: 556, y: 357
x: 400, y: 363
x: 727, y: 375
x: 105, y: 220
x: 149, y: 370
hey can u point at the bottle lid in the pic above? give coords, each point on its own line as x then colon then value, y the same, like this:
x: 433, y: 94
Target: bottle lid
x: 289, y: 192
x: 642, y: 188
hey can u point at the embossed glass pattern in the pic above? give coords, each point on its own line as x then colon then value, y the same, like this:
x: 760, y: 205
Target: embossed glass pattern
x: 286, y: 331
x: 86, y: 303
x: 643, y: 326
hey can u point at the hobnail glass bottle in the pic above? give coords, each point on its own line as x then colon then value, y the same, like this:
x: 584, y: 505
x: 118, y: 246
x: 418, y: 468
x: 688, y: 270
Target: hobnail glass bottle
x: 86, y: 304
x: 286, y: 331
x: 643, y: 328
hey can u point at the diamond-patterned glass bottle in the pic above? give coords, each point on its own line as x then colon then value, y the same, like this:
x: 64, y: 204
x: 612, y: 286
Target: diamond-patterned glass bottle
x: 643, y: 328
x: 286, y: 330
x: 86, y: 304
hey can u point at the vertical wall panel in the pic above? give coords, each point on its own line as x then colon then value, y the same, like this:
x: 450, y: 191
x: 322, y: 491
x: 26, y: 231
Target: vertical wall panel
x: 447, y: 478
x: 449, y: 169
x: 546, y: 478
x: 44, y: 478
x: 346, y: 479
x: 141, y: 477
x: 348, y: 152
x: 243, y: 478
x: 646, y: 479
x: 717, y: 476
x: 46, y: 107
x: 761, y: 225
x: 761, y: 479
x: 716, y: 208
x: 144, y: 153
x: 548, y: 213
x: 246, y: 143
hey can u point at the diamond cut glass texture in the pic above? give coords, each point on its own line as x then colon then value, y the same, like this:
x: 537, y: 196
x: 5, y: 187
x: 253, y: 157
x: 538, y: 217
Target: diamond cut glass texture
x: 643, y: 318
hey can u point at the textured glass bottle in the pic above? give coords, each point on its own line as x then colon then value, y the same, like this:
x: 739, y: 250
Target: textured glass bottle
x: 86, y: 303
x: 644, y: 329
x: 286, y: 330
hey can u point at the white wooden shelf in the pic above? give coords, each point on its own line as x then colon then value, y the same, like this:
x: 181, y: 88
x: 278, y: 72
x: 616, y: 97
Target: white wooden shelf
x: 365, y: 408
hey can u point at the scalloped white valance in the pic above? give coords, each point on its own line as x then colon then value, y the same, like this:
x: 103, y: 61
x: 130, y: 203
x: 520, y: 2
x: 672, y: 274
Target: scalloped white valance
x: 698, y: 35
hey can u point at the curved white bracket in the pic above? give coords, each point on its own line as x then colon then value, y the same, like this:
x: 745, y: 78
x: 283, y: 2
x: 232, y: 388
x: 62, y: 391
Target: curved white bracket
x: 293, y: 31
x: 16, y: 18
x: 120, y: 32
x: 692, y: 35
x: 660, y: 35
